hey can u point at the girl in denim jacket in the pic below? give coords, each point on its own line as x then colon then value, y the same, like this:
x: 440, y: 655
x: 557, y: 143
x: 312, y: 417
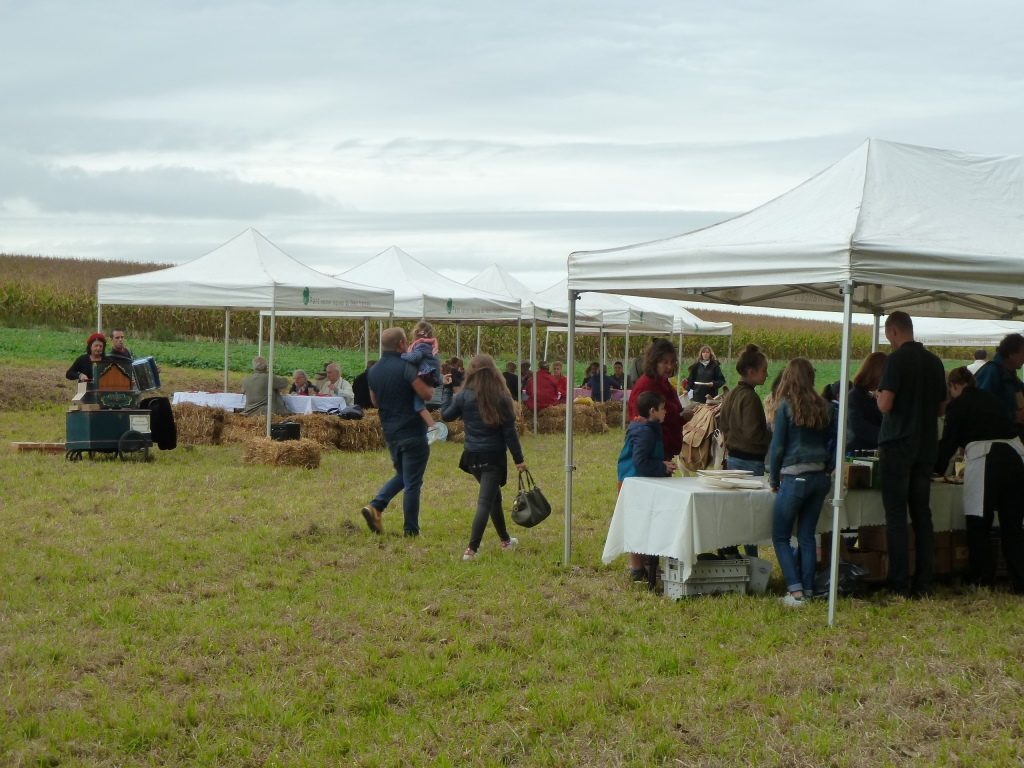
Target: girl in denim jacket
x: 800, y: 460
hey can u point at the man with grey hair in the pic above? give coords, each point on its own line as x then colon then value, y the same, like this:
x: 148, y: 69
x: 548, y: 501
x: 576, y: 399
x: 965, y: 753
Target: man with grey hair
x: 254, y: 387
x: 335, y: 386
x: 394, y: 383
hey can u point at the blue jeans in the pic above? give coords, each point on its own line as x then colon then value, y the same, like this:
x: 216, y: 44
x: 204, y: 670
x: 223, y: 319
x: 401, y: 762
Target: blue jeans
x: 798, y: 502
x: 409, y: 458
x: 757, y: 467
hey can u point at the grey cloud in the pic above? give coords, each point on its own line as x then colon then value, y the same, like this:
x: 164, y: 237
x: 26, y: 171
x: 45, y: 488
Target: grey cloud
x: 158, y: 192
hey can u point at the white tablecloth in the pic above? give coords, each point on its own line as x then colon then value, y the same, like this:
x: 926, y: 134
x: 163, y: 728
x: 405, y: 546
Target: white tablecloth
x: 681, y: 517
x: 230, y: 401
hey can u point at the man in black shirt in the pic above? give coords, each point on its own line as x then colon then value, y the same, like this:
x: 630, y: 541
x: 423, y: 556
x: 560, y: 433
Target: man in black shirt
x: 361, y: 388
x: 118, y: 349
x: 910, y: 396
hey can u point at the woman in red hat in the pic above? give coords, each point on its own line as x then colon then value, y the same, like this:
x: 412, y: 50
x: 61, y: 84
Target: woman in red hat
x: 95, y: 350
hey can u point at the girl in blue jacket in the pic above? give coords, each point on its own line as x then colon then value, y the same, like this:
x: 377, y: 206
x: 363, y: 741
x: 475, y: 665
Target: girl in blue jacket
x: 800, y: 460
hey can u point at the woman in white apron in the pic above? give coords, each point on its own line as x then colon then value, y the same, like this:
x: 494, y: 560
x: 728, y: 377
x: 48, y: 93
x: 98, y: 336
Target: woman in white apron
x: 993, y: 476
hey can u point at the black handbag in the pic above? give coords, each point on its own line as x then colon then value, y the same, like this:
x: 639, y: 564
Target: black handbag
x: 529, y: 507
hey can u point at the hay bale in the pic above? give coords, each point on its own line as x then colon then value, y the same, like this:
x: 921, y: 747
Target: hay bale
x: 282, y: 453
x: 240, y: 429
x: 363, y: 434
x: 323, y: 428
x: 197, y: 425
x: 456, y: 431
x: 587, y: 420
x: 611, y: 412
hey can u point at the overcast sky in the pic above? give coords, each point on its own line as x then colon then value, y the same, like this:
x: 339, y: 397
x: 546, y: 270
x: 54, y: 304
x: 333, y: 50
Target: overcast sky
x: 467, y: 133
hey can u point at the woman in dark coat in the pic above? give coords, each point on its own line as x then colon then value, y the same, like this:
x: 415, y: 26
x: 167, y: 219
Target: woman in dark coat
x: 95, y: 351
x: 705, y: 375
x: 485, y: 406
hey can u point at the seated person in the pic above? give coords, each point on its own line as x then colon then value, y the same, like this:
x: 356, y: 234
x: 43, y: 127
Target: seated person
x: 600, y: 384
x: 618, y: 376
x: 254, y: 387
x: 361, y: 388
x: 547, y: 388
x: 560, y: 380
x: 95, y: 353
x: 334, y: 385
x: 511, y: 379
x: 301, y: 385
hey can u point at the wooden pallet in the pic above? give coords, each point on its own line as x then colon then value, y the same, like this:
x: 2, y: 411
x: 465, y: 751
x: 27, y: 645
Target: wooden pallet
x: 38, y: 447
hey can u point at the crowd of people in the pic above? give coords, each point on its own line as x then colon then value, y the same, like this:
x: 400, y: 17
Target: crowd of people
x: 895, y: 404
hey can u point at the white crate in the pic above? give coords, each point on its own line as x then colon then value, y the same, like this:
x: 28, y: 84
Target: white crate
x: 707, y: 577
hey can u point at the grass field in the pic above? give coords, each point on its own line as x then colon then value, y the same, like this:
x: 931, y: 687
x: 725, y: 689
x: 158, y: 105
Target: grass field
x: 198, y: 611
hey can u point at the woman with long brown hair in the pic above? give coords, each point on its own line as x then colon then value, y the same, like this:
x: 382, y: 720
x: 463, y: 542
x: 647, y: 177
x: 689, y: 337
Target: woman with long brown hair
x: 799, y: 460
x: 485, y: 406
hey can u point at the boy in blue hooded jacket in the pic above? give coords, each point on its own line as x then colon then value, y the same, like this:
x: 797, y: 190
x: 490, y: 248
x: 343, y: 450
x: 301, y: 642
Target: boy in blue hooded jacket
x: 643, y: 455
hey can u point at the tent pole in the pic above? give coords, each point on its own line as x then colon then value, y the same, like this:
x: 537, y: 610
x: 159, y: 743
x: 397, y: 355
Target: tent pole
x: 679, y: 372
x: 602, y: 355
x: 478, y: 339
x: 533, y: 370
x: 99, y: 313
x: 259, y: 338
x: 874, y: 332
x: 227, y: 335
x: 519, y: 359
x: 547, y: 341
x: 458, y: 342
x: 625, y: 357
x: 366, y: 342
x: 270, y: 359
x: 570, y: 363
x: 837, y: 490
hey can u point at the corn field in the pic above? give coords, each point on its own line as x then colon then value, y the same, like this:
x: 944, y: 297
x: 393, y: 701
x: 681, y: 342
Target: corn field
x: 61, y: 293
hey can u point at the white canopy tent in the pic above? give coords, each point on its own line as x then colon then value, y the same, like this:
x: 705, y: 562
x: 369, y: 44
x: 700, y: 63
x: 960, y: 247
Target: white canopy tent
x: 553, y: 310
x: 616, y: 315
x: 961, y: 333
x: 247, y: 272
x: 890, y: 226
x: 422, y: 293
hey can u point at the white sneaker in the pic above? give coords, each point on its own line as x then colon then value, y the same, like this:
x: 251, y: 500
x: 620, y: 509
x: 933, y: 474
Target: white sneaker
x: 792, y: 602
x: 508, y: 546
x: 469, y: 554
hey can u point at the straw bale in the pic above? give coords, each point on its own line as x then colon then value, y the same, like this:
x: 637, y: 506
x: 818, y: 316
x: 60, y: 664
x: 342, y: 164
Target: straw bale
x: 363, y: 434
x: 241, y: 429
x: 611, y: 411
x: 456, y: 431
x: 197, y: 425
x: 282, y: 453
x: 324, y: 428
x: 587, y: 420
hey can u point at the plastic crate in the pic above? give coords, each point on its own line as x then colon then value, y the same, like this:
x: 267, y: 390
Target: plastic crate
x: 707, y: 577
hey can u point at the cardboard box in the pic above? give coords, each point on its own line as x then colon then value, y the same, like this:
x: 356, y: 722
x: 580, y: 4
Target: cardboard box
x: 856, y: 475
x: 872, y: 538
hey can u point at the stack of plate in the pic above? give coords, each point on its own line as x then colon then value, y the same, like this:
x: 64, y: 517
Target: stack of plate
x: 732, y: 479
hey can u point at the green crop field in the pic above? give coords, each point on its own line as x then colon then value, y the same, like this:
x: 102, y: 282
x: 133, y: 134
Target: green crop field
x: 195, y: 610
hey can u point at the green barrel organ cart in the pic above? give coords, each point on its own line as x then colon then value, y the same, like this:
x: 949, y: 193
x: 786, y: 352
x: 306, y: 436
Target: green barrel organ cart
x: 109, y: 421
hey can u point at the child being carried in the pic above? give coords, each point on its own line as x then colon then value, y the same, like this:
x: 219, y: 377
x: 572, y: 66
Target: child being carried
x: 423, y: 354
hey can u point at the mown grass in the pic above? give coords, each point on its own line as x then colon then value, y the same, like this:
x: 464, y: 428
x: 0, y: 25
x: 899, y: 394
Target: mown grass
x: 198, y: 611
